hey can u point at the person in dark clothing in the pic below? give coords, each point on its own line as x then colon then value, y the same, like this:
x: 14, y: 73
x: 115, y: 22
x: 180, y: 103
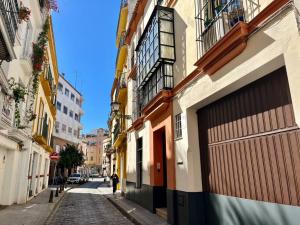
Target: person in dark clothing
x: 115, y: 181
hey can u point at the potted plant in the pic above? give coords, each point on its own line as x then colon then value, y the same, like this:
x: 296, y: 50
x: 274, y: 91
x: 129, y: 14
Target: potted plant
x: 24, y: 13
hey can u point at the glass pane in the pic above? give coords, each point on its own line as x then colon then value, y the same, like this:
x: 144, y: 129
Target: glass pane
x: 166, y: 26
x: 167, y: 52
x: 166, y: 39
x: 165, y: 15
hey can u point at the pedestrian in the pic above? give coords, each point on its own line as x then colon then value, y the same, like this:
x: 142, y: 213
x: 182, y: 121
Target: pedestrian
x: 115, y: 181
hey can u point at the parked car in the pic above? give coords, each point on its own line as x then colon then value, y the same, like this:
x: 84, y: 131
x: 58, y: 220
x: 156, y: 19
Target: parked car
x: 75, y: 178
x: 95, y: 174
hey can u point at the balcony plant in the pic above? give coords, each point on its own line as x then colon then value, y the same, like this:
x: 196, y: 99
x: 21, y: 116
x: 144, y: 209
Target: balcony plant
x: 18, y: 92
x: 24, y: 14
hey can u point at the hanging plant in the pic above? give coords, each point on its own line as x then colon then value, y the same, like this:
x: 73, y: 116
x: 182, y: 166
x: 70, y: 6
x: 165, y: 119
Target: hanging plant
x: 24, y: 14
x: 38, y: 60
x: 18, y: 92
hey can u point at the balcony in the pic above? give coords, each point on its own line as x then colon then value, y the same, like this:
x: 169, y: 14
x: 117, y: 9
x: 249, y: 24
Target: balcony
x: 9, y: 25
x: 121, y: 90
x: 122, y: 20
x: 47, y: 82
x: 121, y: 55
x: 222, y: 21
x: 118, y: 134
x: 41, y: 136
x: 156, y: 55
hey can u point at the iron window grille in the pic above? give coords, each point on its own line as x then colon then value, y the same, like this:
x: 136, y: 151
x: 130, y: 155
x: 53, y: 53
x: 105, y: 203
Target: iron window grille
x: 178, y: 126
x: 156, y: 54
x: 215, y: 18
x: 9, y: 11
x: 139, y: 163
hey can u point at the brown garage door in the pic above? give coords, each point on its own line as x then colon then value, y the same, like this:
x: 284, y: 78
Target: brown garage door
x: 250, y: 143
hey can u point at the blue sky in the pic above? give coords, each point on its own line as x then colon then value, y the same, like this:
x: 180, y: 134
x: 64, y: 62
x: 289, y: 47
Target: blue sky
x: 85, y: 34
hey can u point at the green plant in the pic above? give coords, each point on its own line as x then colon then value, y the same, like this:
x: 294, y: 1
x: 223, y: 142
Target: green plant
x: 71, y: 157
x: 19, y: 93
x: 38, y: 59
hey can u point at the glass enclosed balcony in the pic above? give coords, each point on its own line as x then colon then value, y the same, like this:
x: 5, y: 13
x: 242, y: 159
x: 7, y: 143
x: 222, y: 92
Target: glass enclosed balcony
x: 156, y: 55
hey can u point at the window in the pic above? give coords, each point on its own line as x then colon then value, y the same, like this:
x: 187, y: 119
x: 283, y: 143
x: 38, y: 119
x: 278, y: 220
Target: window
x: 139, y: 163
x: 71, y: 113
x: 72, y: 97
x: 64, y: 128
x: 75, y: 133
x: 76, y: 117
x: 60, y: 87
x: 67, y: 92
x: 65, y: 110
x: 77, y: 101
x: 92, y: 158
x: 70, y: 130
x: 178, y: 126
x: 57, y: 127
x: 156, y: 55
x: 58, y: 105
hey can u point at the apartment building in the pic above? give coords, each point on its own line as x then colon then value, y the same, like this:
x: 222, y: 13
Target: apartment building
x: 214, y: 106
x: 94, y: 149
x: 118, y: 121
x: 28, y: 94
x: 68, y: 124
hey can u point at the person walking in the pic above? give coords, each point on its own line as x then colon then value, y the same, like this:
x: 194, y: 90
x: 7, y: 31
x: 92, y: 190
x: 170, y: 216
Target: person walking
x: 115, y: 181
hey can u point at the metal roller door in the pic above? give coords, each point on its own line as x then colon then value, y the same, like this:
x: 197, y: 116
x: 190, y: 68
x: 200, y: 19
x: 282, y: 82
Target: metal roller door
x: 249, y: 143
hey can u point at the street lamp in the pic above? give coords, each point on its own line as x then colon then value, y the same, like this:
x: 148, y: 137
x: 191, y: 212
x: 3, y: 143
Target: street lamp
x: 115, y: 109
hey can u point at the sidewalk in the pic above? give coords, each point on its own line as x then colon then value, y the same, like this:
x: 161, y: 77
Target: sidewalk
x: 34, y: 212
x: 133, y: 211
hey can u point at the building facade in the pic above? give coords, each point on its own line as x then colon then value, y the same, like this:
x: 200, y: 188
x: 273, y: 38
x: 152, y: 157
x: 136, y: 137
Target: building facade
x: 28, y: 86
x: 212, y: 94
x: 106, y: 157
x: 94, y: 149
x: 68, y: 124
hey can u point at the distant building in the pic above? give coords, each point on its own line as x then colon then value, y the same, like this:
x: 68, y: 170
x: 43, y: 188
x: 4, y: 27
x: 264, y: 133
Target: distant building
x: 94, y: 149
x: 68, y: 119
x: 69, y: 112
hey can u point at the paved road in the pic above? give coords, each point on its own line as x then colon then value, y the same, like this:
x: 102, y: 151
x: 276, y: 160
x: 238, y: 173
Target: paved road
x: 86, y: 205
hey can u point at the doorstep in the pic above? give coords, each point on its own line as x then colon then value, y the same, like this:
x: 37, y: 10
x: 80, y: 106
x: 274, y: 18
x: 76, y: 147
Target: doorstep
x: 135, y: 212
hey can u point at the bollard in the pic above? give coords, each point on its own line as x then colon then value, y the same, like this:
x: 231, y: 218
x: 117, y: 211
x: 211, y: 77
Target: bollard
x: 51, y: 197
x: 56, y: 193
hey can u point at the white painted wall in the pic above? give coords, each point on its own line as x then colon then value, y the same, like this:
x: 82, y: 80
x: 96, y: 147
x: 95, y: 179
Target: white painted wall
x: 66, y: 119
x: 275, y: 45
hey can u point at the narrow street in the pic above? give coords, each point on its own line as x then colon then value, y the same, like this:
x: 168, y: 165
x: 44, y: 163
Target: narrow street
x: 86, y: 204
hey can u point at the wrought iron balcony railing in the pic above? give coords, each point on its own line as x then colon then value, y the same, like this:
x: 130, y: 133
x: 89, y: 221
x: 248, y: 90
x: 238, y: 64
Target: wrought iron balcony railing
x: 214, y: 19
x: 116, y: 131
x: 9, y: 12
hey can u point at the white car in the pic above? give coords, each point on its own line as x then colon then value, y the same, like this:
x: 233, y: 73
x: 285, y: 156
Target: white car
x: 75, y: 178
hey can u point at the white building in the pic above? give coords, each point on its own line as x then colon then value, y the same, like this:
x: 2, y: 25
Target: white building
x: 24, y: 162
x: 69, y: 112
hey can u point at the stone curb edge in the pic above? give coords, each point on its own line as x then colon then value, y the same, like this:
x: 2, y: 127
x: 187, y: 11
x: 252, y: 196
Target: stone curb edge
x: 124, y: 212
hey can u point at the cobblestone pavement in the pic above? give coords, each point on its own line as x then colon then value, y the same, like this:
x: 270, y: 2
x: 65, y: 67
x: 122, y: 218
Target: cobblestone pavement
x: 86, y: 205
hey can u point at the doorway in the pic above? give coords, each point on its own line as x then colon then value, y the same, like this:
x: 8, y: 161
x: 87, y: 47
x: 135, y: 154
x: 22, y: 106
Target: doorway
x: 160, y: 174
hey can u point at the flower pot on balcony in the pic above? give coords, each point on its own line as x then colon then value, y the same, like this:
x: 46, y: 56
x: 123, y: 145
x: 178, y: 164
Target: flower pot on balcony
x: 235, y: 16
x: 24, y: 14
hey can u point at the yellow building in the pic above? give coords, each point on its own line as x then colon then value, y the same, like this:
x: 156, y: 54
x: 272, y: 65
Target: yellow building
x: 119, y: 97
x: 45, y: 113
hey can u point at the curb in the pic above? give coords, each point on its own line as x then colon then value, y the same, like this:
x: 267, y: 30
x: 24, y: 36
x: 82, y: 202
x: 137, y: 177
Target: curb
x: 57, y: 204
x: 124, y: 212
